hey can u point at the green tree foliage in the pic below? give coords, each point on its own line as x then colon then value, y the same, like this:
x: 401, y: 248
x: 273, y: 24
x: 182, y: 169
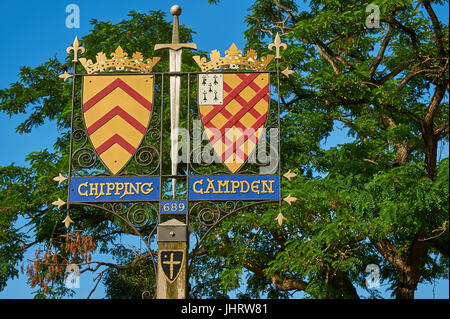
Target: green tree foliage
x: 27, y: 193
x: 379, y: 197
x: 130, y: 282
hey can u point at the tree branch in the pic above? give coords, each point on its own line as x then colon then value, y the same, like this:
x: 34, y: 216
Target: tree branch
x: 376, y: 62
x: 441, y: 130
x: 389, y: 251
x: 405, y: 112
x: 288, y: 284
x: 396, y: 71
x: 412, y: 35
x: 436, y: 27
x: 277, y: 281
x: 98, y: 278
x: 438, y: 95
x: 322, y: 48
x: 440, y: 246
x: 349, y: 123
x: 406, y: 79
x: 116, y: 266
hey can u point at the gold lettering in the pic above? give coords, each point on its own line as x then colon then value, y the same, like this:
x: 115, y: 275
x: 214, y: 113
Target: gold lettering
x: 223, y: 183
x: 135, y: 189
x: 79, y: 189
x: 210, y: 185
x: 119, y: 187
x: 234, y: 186
x: 195, y: 189
x: 149, y: 189
x: 242, y: 187
x: 109, y: 188
x: 92, y: 189
x: 255, y: 189
x: 127, y: 190
x: 266, y: 186
x: 101, y: 190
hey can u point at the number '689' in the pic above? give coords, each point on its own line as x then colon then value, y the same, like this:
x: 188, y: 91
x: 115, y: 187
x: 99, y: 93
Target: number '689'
x: 173, y: 207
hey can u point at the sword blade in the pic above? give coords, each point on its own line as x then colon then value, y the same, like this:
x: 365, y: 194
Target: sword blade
x: 175, y: 86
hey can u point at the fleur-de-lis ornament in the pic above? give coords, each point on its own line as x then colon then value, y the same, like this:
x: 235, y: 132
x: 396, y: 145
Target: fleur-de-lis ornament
x: 65, y: 76
x: 59, y: 203
x: 75, y: 48
x: 280, y: 219
x: 277, y: 44
x: 67, y: 221
x: 290, y: 199
x: 60, y: 178
x: 286, y: 72
x: 289, y: 175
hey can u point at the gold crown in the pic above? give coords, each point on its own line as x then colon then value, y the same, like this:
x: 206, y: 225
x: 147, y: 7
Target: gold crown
x: 119, y: 62
x: 233, y: 60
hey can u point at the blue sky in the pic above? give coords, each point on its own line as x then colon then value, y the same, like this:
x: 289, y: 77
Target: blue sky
x: 36, y: 31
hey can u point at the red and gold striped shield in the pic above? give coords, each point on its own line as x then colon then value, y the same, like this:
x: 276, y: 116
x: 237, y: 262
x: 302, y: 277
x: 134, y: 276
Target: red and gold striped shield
x: 117, y: 111
x: 233, y: 109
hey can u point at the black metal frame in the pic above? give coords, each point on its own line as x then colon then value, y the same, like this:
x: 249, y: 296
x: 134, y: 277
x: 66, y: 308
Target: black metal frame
x: 208, y: 213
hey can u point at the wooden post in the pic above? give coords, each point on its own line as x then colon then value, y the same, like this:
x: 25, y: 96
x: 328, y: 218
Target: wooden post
x: 172, y: 260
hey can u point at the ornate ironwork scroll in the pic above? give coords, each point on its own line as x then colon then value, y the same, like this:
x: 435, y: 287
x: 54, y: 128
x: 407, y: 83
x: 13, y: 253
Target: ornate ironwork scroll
x: 119, y: 160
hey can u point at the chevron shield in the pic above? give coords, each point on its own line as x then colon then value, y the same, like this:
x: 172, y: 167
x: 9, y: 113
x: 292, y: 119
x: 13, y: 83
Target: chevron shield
x: 116, y: 112
x: 233, y: 109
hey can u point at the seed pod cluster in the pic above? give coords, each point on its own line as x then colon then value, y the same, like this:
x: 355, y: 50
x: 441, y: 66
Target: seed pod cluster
x: 49, y: 266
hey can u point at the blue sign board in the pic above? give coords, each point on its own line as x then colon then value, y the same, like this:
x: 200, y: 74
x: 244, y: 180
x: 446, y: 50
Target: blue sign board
x: 239, y: 187
x: 114, y: 189
x: 147, y: 188
x: 173, y: 207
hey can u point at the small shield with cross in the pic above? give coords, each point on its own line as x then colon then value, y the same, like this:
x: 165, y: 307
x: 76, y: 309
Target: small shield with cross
x: 171, y: 263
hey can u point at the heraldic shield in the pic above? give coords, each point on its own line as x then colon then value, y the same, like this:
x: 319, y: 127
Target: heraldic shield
x: 171, y: 263
x: 233, y: 110
x: 117, y: 112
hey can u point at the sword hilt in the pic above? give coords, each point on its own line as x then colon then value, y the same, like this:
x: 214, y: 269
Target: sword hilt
x: 176, y: 12
x: 176, y: 46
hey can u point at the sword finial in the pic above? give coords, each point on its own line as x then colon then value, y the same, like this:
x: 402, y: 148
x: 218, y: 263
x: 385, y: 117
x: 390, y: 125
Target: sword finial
x: 176, y: 12
x: 176, y: 45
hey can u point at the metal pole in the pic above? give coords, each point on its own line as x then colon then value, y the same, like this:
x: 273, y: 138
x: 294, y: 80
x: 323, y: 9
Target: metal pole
x: 172, y: 236
x: 175, y: 53
x: 171, y: 280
